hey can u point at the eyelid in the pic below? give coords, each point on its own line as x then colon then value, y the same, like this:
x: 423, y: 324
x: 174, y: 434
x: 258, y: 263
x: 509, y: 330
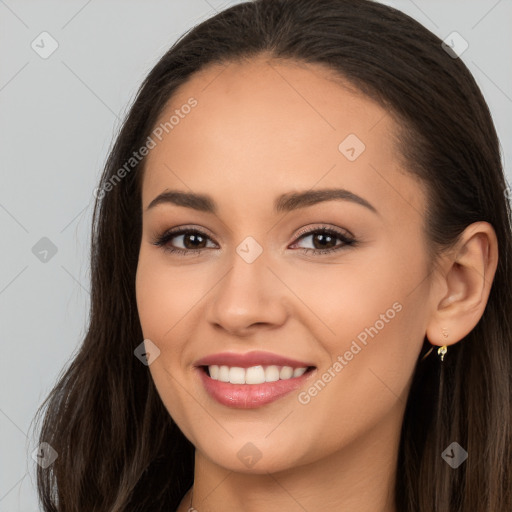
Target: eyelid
x: 342, y: 234
x: 305, y: 230
x: 323, y: 226
x: 179, y: 230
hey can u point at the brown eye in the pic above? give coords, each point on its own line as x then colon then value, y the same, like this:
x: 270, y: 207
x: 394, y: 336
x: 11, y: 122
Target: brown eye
x: 196, y: 241
x: 324, y: 240
x: 193, y: 241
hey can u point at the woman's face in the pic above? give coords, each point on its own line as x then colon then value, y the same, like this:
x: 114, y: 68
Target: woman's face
x: 254, y: 135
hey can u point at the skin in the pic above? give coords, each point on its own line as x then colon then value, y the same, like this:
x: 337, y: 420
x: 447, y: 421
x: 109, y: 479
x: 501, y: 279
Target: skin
x: 262, y: 128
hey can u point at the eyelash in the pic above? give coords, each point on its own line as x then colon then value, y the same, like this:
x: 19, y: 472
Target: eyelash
x: 163, y: 240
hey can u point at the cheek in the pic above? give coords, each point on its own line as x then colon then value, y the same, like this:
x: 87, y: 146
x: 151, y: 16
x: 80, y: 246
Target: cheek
x: 151, y: 305
x: 367, y: 380
x: 369, y: 309
x: 160, y: 304
x: 345, y: 298
x: 162, y: 295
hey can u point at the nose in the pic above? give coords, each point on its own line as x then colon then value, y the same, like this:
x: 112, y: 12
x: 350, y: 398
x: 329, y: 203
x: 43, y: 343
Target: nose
x: 248, y: 297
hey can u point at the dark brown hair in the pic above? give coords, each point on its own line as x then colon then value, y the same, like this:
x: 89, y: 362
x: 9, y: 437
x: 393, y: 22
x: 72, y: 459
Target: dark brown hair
x: 119, y: 449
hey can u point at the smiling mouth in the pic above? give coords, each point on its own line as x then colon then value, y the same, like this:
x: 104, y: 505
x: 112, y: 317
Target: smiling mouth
x: 258, y: 374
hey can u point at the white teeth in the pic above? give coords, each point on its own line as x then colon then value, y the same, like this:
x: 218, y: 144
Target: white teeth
x: 236, y: 375
x: 299, y: 371
x: 254, y: 374
x: 271, y: 373
x: 286, y: 372
x: 214, y: 371
x: 224, y: 373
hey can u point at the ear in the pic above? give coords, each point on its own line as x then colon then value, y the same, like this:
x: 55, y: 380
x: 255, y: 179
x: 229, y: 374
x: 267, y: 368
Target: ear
x: 462, y: 285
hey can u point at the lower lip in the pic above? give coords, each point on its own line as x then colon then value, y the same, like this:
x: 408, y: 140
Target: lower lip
x: 250, y: 396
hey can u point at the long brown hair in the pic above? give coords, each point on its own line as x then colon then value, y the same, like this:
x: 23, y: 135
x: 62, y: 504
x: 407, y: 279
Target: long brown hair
x: 119, y: 449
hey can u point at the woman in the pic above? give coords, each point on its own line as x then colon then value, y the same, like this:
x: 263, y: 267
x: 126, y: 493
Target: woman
x: 297, y: 301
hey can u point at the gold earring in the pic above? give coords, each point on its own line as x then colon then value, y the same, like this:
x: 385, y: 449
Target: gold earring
x: 441, y: 351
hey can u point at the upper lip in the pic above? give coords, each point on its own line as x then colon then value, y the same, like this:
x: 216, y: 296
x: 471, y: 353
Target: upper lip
x: 248, y: 359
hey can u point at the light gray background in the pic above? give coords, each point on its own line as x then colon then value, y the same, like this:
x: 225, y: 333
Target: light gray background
x: 58, y: 117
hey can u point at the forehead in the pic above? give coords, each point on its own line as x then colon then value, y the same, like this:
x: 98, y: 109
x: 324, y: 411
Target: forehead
x: 262, y: 127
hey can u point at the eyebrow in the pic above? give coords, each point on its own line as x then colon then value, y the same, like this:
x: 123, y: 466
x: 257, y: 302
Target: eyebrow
x: 284, y: 203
